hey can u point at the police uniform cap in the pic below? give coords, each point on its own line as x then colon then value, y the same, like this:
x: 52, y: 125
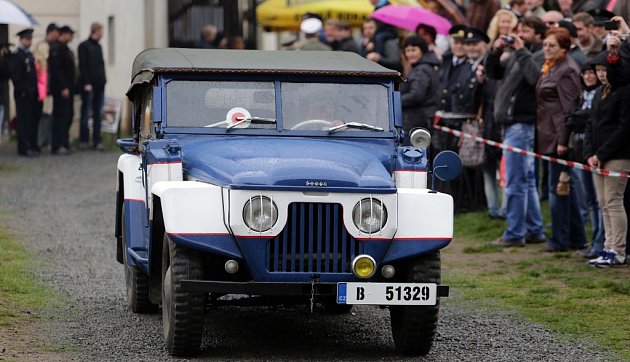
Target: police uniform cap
x: 457, y: 31
x: 66, y: 29
x: 601, y: 15
x: 26, y: 33
x: 475, y: 35
x: 311, y: 26
x: 569, y: 26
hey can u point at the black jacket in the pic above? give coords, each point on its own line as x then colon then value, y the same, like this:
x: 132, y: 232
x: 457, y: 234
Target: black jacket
x: 515, y: 101
x: 453, y: 90
x: 61, y: 69
x: 23, y: 74
x: 418, y: 93
x: 608, y: 131
x: 91, y: 63
x: 347, y: 45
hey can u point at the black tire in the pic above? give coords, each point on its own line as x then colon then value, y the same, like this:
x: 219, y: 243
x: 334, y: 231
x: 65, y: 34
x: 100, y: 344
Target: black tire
x: 182, y: 312
x: 413, y: 327
x: 136, y: 282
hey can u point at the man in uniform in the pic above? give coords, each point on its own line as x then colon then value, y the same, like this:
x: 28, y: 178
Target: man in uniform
x: 24, y: 77
x: 453, y: 72
x: 62, y: 81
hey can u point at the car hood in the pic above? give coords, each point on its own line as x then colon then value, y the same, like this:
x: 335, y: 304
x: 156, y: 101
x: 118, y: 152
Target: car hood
x: 272, y: 163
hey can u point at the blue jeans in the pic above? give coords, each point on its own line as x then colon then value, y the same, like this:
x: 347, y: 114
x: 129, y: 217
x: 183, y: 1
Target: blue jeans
x: 92, y: 102
x: 523, y: 208
x: 567, y: 226
x: 597, y: 221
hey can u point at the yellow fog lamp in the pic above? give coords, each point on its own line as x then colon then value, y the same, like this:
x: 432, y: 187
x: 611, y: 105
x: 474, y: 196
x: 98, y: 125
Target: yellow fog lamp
x: 363, y: 266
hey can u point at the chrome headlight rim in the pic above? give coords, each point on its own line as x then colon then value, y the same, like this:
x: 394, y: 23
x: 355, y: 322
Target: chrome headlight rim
x: 265, y: 204
x: 358, y: 210
x: 420, y: 137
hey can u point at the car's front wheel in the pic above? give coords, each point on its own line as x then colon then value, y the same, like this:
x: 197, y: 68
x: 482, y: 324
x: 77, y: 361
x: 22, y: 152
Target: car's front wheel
x: 413, y: 327
x: 182, y: 312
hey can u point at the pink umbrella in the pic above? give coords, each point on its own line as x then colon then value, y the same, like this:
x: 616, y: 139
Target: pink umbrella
x: 409, y: 17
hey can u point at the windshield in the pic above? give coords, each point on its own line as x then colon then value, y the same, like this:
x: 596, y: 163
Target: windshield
x: 330, y: 107
x: 321, y: 106
x: 220, y: 104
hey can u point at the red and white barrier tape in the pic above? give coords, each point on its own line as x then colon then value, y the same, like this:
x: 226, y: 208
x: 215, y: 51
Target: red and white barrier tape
x: 577, y: 165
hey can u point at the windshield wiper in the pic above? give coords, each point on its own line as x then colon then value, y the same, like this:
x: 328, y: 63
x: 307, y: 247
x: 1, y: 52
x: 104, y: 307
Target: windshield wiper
x: 356, y: 125
x: 253, y: 120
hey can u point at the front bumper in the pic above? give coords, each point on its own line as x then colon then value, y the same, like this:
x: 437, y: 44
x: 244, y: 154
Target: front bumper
x: 273, y: 288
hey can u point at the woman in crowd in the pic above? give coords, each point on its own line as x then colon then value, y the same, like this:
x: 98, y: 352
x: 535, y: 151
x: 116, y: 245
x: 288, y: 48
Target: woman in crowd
x: 607, y: 147
x: 556, y: 92
x: 503, y: 23
x: 418, y: 93
x: 576, y: 122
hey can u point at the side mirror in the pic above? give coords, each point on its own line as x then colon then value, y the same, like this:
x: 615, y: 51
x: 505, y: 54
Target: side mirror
x: 447, y: 165
x: 128, y: 145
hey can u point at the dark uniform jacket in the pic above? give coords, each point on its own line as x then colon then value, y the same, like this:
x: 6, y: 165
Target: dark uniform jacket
x: 23, y: 74
x: 91, y: 63
x: 454, y: 85
x: 515, y: 101
x: 418, y: 93
x: 61, y: 69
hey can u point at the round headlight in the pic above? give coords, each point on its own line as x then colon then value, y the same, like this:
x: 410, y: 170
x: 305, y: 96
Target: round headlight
x: 260, y: 213
x: 369, y: 215
x: 420, y: 138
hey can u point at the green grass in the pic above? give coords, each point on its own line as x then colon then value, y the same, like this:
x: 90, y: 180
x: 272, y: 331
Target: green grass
x: 20, y: 293
x: 557, y: 290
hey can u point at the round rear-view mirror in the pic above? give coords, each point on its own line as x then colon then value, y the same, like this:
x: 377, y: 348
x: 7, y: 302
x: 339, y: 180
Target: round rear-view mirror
x: 447, y: 165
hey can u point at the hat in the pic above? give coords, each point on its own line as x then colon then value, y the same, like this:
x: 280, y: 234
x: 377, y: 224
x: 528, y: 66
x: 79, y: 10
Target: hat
x: 457, y: 31
x: 52, y: 27
x: 311, y: 26
x: 26, y: 33
x: 600, y: 59
x: 569, y: 26
x: 66, y: 29
x: 475, y: 35
x: 601, y: 15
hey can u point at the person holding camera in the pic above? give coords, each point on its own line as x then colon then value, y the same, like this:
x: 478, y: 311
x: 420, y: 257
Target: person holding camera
x: 517, y: 59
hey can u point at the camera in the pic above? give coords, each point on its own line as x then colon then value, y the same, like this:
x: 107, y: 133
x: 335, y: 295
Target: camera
x: 611, y: 25
x: 509, y: 39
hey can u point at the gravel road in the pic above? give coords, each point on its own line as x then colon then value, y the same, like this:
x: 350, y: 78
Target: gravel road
x: 63, y: 209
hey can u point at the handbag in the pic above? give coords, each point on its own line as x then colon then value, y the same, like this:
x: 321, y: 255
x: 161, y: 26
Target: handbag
x: 472, y: 152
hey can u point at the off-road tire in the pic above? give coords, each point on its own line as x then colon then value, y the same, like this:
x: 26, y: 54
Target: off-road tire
x: 182, y: 312
x: 136, y: 282
x: 413, y: 327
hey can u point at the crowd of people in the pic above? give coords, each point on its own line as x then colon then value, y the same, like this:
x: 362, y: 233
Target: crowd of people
x: 45, y: 81
x: 546, y: 77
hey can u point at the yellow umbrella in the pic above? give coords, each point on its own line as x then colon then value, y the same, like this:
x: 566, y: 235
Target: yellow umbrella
x: 286, y: 15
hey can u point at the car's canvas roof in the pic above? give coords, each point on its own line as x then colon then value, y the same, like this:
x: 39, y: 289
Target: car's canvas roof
x: 319, y: 63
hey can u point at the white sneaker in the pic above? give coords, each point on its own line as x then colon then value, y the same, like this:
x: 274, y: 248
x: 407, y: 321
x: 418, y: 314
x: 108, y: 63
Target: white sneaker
x: 608, y: 260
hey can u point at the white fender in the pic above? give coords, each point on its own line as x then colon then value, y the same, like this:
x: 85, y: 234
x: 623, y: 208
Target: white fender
x: 190, y: 207
x: 424, y: 215
x: 129, y: 165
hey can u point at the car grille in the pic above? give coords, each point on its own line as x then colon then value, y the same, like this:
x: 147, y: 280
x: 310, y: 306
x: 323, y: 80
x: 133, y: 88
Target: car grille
x: 314, y: 240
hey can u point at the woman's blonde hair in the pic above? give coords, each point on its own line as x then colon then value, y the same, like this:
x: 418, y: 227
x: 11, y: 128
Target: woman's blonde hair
x: 493, y: 28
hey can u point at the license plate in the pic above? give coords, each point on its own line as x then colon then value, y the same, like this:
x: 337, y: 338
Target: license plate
x: 387, y: 293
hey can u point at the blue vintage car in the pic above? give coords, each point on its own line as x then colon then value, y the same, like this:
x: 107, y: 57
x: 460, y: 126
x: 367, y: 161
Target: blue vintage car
x: 277, y: 174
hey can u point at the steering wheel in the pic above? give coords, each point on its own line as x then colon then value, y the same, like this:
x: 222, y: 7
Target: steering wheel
x: 313, y: 125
